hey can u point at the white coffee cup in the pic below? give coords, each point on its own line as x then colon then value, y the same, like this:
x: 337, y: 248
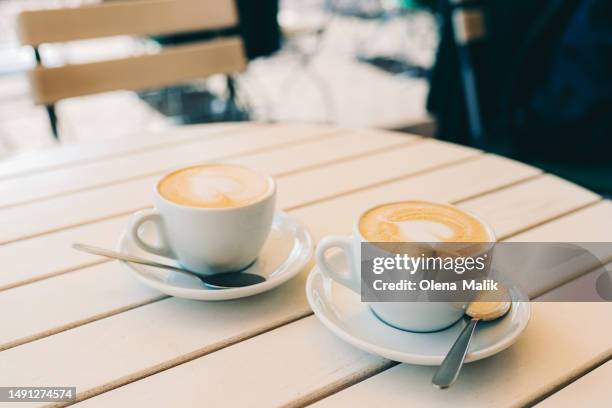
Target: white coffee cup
x: 206, y: 240
x: 417, y: 316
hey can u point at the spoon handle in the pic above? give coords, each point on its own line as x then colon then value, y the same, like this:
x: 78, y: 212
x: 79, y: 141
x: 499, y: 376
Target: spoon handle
x: 449, y: 370
x: 128, y: 258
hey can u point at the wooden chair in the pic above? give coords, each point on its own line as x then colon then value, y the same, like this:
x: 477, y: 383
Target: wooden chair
x: 172, y: 65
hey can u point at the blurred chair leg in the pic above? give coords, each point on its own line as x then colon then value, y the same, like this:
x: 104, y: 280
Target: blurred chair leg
x: 235, y: 111
x: 231, y: 87
x: 52, y: 120
x: 50, y: 108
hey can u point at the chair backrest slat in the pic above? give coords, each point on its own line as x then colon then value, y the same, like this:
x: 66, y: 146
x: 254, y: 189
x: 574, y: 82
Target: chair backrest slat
x: 135, y: 17
x: 170, y: 66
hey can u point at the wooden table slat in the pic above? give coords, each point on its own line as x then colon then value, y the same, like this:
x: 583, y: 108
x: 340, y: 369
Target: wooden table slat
x: 592, y: 389
x: 69, y: 300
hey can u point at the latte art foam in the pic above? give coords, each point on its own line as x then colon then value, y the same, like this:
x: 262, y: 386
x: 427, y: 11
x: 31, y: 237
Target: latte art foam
x: 214, y: 186
x: 420, y: 221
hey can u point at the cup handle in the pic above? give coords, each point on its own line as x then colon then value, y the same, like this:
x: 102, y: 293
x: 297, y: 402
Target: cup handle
x: 134, y: 224
x: 351, y: 279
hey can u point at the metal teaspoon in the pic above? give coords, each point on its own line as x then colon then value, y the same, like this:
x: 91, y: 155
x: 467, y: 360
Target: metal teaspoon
x: 223, y: 280
x: 448, y: 372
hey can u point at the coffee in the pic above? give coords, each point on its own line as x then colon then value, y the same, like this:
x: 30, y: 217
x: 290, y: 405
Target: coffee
x: 420, y: 221
x: 214, y: 186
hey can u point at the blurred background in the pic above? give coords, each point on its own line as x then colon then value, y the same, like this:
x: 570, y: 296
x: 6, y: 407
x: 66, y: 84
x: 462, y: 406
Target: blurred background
x: 306, y: 63
x: 528, y: 80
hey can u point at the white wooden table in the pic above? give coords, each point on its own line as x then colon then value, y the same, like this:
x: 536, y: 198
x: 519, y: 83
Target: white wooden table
x: 71, y: 319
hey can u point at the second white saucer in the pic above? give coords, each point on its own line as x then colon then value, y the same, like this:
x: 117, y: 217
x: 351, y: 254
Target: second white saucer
x: 285, y: 253
x: 342, y: 312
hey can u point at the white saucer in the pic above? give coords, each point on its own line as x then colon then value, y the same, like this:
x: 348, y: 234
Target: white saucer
x: 285, y: 253
x: 342, y: 312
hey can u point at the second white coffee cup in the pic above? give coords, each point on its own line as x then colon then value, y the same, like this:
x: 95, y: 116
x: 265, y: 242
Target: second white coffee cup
x: 417, y: 316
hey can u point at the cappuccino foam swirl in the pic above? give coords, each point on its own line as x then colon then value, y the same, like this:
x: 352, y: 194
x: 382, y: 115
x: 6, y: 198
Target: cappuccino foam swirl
x: 419, y: 221
x: 214, y: 186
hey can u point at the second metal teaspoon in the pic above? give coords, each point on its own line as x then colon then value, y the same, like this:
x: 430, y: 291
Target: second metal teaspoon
x: 223, y: 280
x: 448, y: 372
